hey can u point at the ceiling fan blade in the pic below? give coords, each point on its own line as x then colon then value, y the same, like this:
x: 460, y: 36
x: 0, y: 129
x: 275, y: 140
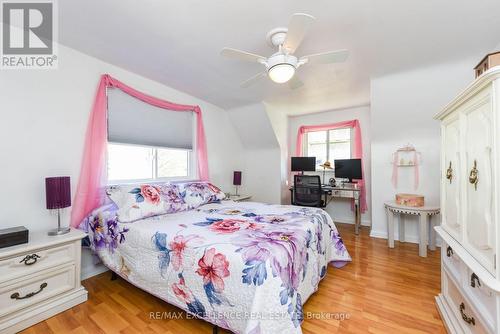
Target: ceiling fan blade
x: 297, y: 29
x: 295, y: 82
x: 247, y: 83
x: 327, y: 57
x: 241, y: 55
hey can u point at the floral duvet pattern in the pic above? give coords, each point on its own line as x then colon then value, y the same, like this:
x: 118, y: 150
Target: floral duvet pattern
x: 247, y: 267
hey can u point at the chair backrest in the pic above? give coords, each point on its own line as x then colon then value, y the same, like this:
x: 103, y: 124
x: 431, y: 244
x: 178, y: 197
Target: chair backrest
x: 307, y: 190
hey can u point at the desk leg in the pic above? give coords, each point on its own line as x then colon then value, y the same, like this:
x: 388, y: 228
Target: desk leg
x: 401, y: 227
x: 422, y: 247
x: 432, y: 237
x: 390, y: 227
x: 357, y: 221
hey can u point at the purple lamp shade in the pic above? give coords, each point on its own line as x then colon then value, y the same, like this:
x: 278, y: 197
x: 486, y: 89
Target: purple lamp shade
x: 237, y: 178
x: 58, y: 192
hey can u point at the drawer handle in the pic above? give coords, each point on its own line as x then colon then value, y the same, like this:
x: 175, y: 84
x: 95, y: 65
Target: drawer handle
x: 473, y: 179
x: 30, y: 259
x: 467, y: 319
x: 449, y: 251
x: 29, y: 295
x: 449, y: 173
x: 473, y: 279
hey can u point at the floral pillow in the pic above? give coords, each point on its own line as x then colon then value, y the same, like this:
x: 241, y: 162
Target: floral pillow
x: 146, y: 200
x: 196, y: 194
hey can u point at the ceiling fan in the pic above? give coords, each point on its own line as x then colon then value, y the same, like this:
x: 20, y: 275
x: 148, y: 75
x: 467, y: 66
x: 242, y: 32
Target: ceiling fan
x: 282, y: 65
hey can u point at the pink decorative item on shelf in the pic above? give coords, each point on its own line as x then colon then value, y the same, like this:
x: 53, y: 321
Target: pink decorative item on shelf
x: 406, y: 156
x: 411, y: 200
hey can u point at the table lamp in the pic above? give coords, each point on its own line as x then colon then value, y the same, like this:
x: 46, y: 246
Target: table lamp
x: 237, y: 180
x: 58, y: 196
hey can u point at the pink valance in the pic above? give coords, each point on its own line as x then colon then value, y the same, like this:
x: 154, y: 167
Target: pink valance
x: 357, y: 149
x: 89, y: 193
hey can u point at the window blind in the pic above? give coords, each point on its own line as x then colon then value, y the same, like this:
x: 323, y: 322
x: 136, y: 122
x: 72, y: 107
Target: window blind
x: 133, y: 121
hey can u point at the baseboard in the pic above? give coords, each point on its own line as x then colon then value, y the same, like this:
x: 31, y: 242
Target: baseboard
x: 414, y: 239
x: 351, y: 221
x: 448, y: 318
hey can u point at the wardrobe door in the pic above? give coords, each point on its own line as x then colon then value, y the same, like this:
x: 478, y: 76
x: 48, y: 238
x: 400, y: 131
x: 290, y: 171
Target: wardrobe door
x: 450, y: 184
x: 479, y: 182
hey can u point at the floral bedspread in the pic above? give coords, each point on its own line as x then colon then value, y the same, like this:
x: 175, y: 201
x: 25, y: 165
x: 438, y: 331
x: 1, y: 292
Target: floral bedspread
x: 247, y: 267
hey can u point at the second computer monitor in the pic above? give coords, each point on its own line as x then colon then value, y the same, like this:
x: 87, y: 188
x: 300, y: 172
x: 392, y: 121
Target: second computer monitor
x: 348, y: 169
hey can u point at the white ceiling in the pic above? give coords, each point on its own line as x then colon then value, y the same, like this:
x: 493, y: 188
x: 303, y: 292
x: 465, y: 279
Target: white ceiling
x: 178, y: 42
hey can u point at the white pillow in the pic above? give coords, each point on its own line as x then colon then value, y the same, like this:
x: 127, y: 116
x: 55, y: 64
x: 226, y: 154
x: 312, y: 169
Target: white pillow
x: 196, y: 194
x: 136, y: 202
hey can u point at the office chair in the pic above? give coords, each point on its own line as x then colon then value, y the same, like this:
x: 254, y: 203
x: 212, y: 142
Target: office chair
x: 307, y: 191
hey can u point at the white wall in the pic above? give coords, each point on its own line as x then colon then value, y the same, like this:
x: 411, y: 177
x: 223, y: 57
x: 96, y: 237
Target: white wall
x: 279, y: 122
x: 261, y: 153
x: 402, y: 109
x: 44, y: 116
x: 339, y: 210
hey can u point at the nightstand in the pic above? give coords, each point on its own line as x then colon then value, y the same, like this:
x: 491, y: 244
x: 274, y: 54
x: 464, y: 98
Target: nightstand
x: 240, y: 198
x: 39, y: 279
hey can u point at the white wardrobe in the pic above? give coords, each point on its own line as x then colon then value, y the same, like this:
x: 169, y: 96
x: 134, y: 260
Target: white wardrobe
x: 469, y: 301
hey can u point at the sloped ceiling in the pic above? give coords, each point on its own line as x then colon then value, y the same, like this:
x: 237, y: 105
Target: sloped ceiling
x: 254, y: 127
x: 178, y: 42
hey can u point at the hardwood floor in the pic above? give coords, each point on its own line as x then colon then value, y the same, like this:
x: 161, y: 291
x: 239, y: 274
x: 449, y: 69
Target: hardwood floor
x: 382, y: 291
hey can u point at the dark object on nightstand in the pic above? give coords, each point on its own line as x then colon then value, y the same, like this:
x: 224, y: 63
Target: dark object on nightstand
x: 13, y: 236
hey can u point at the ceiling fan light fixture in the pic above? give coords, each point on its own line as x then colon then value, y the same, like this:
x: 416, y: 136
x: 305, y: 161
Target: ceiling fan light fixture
x: 281, y: 73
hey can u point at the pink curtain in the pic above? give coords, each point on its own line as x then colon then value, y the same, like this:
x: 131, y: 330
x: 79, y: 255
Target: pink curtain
x: 356, y: 154
x: 89, y: 193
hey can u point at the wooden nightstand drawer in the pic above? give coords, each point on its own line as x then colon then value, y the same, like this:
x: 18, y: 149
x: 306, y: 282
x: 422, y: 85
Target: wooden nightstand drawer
x: 39, y: 279
x: 35, y: 260
x: 34, y: 288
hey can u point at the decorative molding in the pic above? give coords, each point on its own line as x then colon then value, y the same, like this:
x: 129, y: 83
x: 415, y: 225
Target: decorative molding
x: 477, y: 85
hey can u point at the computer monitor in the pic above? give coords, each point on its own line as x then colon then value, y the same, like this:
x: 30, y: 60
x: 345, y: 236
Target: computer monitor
x: 303, y: 164
x: 348, y: 169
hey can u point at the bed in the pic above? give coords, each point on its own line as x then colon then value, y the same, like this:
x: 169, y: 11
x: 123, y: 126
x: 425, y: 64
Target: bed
x: 247, y: 267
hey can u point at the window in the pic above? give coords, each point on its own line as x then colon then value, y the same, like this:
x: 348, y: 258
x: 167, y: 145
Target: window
x: 328, y: 145
x: 147, y: 143
x: 128, y: 162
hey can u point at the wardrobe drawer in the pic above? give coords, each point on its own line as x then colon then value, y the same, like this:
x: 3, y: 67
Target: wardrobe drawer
x: 452, y: 262
x: 36, y: 260
x: 467, y: 316
x: 35, y: 288
x: 484, y: 299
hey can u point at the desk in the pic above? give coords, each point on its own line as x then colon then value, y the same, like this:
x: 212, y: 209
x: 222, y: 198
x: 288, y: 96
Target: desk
x: 425, y: 214
x: 343, y: 191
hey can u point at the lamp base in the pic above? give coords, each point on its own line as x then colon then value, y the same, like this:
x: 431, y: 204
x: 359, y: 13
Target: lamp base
x: 59, y: 231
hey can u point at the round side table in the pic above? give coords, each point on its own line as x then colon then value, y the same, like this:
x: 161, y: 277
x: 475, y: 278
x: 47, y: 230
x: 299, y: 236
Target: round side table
x: 425, y: 214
